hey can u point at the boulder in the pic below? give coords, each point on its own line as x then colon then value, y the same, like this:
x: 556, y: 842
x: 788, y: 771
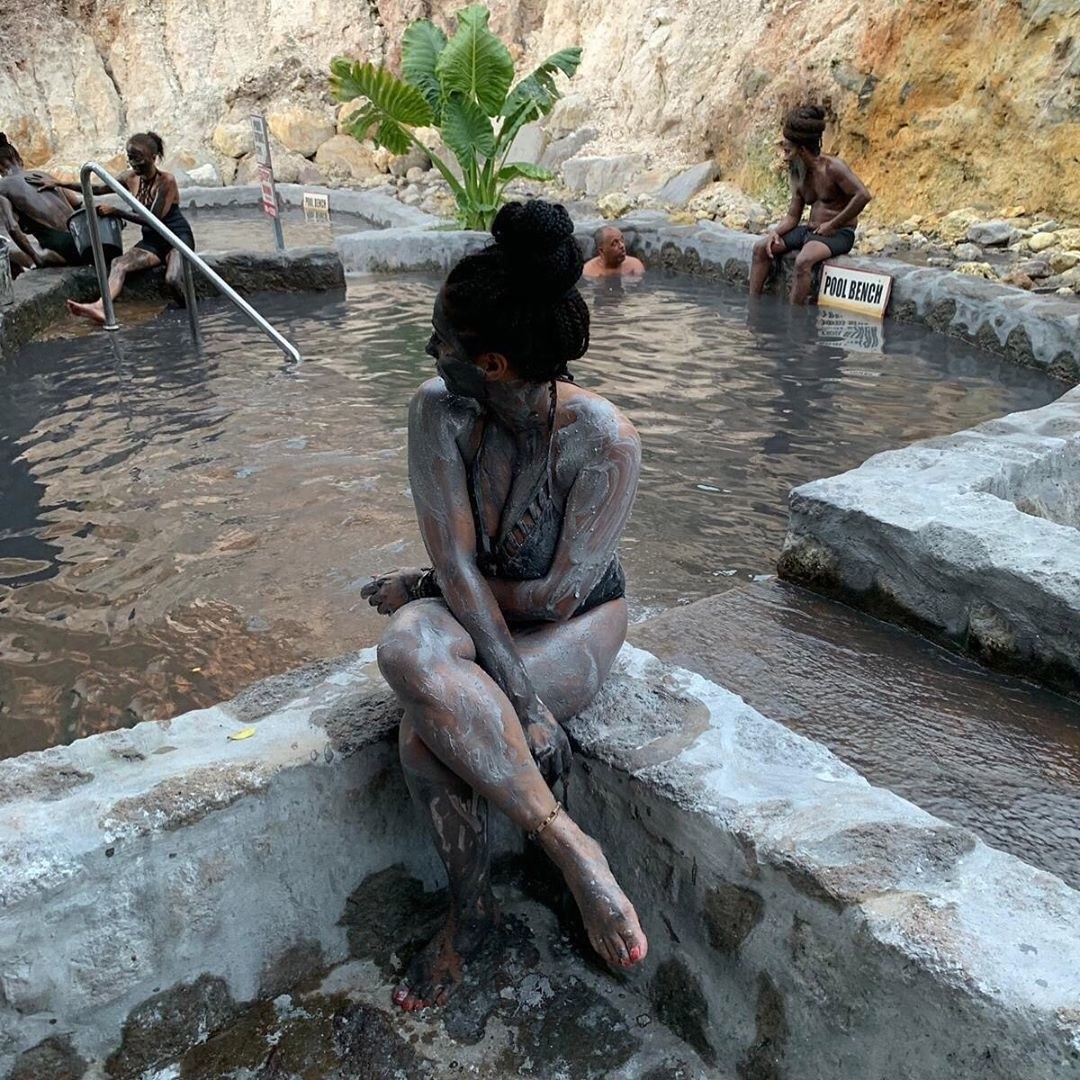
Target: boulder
x: 568, y: 115
x: 233, y: 140
x: 600, y: 175
x: 1035, y: 268
x: 341, y: 157
x: 976, y: 269
x: 529, y: 145
x: 615, y: 205
x: 203, y: 176
x: 1069, y: 239
x: 561, y: 150
x: 993, y: 233
x: 1061, y: 261
x: 680, y: 189
x: 967, y: 252
x: 954, y: 226
x: 301, y: 130
x: 1040, y: 241
x: 414, y: 159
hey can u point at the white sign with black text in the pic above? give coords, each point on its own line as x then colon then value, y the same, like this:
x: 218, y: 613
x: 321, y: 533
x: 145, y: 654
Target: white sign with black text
x: 854, y: 290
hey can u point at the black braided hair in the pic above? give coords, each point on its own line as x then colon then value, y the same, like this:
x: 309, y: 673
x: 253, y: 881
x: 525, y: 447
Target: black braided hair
x: 8, y: 154
x: 149, y: 141
x: 804, y: 127
x: 517, y: 296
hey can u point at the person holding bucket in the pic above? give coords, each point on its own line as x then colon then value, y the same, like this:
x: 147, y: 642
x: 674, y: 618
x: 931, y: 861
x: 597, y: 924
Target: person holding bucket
x: 157, y: 191
x: 38, y: 213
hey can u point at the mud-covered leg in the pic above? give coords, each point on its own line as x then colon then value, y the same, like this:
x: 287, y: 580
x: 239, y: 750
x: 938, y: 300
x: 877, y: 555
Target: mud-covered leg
x: 464, y: 720
x: 458, y: 820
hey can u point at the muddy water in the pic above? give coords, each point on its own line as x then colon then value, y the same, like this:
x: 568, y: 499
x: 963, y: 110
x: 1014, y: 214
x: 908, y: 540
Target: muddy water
x: 178, y: 523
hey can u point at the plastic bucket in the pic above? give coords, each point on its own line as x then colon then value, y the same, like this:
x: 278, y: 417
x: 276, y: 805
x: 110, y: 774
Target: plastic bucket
x: 109, y: 227
x: 7, y: 286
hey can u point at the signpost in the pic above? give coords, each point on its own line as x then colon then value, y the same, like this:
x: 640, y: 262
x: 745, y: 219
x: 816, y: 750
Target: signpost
x: 261, y: 134
x: 861, y: 291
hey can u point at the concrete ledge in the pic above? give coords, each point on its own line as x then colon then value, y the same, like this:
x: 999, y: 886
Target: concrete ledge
x: 802, y: 923
x: 382, y: 211
x: 971, y: 538
x: 40, y: 295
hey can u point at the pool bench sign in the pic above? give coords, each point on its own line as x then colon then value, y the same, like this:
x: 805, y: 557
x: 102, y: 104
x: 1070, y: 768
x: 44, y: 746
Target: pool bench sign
x: 862, y: 291
x: 261, y: 136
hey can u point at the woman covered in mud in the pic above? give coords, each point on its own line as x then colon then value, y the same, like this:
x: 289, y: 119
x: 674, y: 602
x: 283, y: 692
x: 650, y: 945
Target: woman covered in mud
x: 157, y: 191
x: 523, y: 482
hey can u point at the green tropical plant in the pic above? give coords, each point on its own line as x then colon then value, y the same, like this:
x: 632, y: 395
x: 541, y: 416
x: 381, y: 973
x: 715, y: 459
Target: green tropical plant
x: 462, y: 87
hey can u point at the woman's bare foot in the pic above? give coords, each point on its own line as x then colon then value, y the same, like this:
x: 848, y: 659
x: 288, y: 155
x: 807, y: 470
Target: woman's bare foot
x: 438, y: 968
x: 610, y: 919
x: 94, y: 311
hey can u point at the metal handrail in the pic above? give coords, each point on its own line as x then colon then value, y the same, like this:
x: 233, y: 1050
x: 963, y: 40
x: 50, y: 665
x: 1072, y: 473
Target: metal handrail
x: 189, y: 256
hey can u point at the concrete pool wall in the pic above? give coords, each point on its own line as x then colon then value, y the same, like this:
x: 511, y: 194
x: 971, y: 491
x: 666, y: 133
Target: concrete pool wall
x: 802, y: 923
x: 971, y: 538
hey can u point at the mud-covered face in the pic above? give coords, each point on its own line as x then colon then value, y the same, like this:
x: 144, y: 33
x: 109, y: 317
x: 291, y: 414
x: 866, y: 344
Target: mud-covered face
x: 140, y: 161
x: 452, y: 361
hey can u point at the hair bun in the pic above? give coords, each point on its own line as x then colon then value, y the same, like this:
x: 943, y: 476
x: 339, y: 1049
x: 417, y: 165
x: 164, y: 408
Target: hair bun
x: 537, y: 240
x: 804, y: 125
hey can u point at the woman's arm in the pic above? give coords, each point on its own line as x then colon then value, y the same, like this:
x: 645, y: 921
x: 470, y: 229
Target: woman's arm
x: 597, y: 509
x: 439, y: 486
x: 49, y: 183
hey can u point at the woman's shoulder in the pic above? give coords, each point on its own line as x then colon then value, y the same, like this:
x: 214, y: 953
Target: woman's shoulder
x: 595, y: 414
x: 433, y: 402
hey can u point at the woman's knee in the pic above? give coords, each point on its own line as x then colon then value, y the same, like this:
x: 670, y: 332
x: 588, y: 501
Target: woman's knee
x: 420, y: 637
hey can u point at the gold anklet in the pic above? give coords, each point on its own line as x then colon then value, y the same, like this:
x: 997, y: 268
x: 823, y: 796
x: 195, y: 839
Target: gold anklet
x: 546, y: 822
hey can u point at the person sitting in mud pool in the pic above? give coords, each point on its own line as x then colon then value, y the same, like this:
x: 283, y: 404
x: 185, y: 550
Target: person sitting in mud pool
x: 611, y: 259
x: 835, y: 195
x: 16, y: 248
x: 157, y: 191
x: 522, y: 482
x: 38, y: 220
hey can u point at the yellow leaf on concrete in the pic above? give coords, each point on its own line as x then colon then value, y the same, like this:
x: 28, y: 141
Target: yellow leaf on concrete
x: 244, y: 733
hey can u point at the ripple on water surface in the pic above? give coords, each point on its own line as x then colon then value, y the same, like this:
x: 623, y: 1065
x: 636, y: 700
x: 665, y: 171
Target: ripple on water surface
x: 179, y: 523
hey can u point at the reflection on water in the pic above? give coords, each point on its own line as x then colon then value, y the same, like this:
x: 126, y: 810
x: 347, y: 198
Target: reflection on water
x: 176, y: 524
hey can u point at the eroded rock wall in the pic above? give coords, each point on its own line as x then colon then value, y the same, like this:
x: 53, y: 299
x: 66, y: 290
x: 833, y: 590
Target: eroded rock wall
x: 937, y: 103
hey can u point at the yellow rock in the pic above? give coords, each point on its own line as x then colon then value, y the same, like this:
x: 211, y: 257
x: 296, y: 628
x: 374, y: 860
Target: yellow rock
x: 976, y: 269
x: 1040, y: 241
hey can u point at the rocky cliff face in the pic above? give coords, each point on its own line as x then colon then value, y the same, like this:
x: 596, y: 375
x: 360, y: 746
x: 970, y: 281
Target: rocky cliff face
x: 936, y: 103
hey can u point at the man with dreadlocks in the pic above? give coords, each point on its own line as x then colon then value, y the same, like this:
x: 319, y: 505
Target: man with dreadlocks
x: 835, y: 195
x: 522, y: 482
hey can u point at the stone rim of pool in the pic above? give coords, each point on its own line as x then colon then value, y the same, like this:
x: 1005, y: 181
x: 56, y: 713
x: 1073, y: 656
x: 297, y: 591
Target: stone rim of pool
x: 806, y: 921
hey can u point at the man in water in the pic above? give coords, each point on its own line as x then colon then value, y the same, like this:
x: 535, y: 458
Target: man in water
x: 611, y: 259
x: 835, y: 195
x: 42, y: 214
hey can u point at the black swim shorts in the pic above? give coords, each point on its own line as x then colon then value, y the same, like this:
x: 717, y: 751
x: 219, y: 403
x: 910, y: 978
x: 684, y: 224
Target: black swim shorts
x: 840, y: 243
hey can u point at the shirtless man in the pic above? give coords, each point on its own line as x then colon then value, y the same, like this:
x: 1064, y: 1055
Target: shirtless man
x: 611, y: 259
x: 835, y: 195
x: 18, y: 242
x: 41, y: 214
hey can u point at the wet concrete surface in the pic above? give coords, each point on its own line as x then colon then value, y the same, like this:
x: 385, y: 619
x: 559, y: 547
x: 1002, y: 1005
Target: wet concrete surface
x: 532, y: 1005
x: 992, y: 753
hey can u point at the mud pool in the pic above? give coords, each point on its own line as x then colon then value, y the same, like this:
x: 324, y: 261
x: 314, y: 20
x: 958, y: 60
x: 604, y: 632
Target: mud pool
x: 180, y: 523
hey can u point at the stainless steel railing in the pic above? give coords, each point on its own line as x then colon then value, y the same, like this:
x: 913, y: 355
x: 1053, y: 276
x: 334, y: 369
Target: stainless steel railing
x: 92, y: 168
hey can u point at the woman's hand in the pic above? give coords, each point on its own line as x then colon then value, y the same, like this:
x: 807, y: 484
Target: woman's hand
x: 548, y: 743
x: 43, y: 183
x: 106, y: 211
x: 388, y: 592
